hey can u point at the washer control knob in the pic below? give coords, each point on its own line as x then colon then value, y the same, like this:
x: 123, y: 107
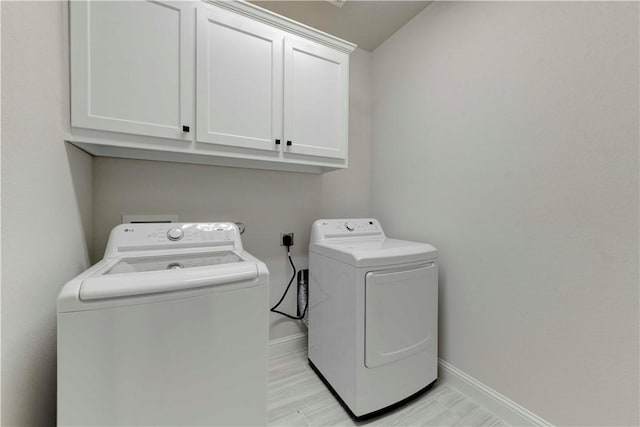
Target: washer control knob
x: 175, y: 234
x: 349, y: 226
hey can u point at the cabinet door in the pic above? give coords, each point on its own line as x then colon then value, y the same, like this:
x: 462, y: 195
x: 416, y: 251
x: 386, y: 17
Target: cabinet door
x: 316, y: 100
x: 132, y: 67
x: 239, y: 80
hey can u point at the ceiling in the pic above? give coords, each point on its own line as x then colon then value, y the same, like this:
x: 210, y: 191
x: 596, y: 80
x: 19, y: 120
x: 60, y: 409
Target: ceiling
x: 365, y: 23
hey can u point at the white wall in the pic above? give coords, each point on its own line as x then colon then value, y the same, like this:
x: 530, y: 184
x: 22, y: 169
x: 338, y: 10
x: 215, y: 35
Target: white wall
x: 46, y: 206
x: 345, y: 193
x: 506, y: 134
x: 267, y: 202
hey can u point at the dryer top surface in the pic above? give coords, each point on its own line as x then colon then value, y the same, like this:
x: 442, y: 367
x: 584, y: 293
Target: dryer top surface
x: 362, y: 243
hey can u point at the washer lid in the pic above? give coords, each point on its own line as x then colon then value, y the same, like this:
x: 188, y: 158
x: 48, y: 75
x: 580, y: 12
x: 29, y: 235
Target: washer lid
x: 375, y: 252
x: 156, y: 274
x: 172, y: 262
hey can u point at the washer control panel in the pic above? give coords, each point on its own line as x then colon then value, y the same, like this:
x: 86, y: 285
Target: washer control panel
x: 144, y: 236
x: 339, y: 228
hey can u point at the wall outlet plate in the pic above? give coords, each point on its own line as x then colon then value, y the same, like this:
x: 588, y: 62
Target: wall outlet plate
x: 282, y: 235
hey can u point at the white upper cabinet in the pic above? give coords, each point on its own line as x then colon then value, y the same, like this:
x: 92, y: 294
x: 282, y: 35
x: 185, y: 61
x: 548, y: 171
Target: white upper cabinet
x: 132, y: 67
x: 239, y: 78
x: 210, y: 82
x: 316, y: 99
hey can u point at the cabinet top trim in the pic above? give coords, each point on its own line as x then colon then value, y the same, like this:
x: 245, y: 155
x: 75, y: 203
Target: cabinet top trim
x: 284, y: 23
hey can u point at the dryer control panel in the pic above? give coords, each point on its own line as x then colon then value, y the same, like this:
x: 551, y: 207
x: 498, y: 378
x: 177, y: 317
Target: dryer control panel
x: 132, y: 237
x: 325, y: 229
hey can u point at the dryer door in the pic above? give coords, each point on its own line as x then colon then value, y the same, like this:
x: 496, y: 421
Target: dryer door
x: 401, y: 313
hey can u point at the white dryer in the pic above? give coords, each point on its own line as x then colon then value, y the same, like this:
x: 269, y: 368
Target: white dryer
x: 373, y: 314
x: 170, y: 328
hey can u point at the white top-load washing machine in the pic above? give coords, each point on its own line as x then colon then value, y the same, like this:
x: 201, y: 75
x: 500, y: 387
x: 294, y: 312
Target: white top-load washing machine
x: 373, y: 314
x: 170, y: 328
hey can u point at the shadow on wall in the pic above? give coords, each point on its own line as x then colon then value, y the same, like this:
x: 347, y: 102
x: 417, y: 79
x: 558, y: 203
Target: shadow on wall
x: 442, y: 287
x: 81, y: 170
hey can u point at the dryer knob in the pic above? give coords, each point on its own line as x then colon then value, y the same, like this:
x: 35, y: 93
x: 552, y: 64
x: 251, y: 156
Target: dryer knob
x: 175, y: 234
x: 349, y: 226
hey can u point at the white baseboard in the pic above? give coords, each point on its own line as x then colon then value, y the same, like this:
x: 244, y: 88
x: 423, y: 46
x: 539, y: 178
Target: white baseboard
x: 288, y: 344
x: 500, y: 405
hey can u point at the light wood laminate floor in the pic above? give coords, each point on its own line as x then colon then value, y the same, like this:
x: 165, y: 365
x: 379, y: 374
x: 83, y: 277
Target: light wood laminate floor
x: 297, y: 397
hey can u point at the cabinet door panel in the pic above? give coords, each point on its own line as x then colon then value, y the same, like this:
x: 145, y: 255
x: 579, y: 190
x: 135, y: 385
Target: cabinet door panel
x: 316, y: 99
x: 132, y: 67
x: 239, y: 97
